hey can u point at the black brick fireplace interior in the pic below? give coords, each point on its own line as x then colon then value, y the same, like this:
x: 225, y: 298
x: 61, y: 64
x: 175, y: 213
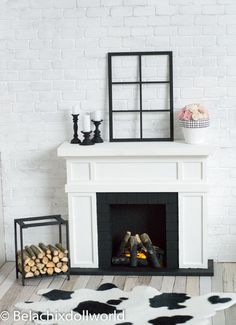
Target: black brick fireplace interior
x: 153, y: 213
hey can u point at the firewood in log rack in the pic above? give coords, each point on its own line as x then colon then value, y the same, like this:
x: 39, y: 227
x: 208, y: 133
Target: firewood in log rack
x: 30, y: 252
x: 50, y: 270
x: 49, y: 256
x: 27, y: 268
x: 44, y: 248
x: 33, y: 268
x: 37, y: 251
x: 26, y: 257
x: 37, y: 262
x: 55, y: 259
x: 45, y: 260
x: 29, y: 275
x: 64, y: 268
x: 65, y: 259
x: 40, y: 266
x: 50, y: 265
x: 61, y: 248
x: 54, y: 250
x: 31, y: 263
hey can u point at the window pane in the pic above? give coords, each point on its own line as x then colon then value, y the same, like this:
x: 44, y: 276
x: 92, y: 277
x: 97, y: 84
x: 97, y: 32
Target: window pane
x: 156, y: 96
x: 126, y: 97
x: 155, y: 68
x: 125, y: 68
x: 126, y: 125
x: 156, y: 125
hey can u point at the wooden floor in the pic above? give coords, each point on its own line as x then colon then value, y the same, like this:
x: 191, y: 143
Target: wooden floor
x: 11, y: 290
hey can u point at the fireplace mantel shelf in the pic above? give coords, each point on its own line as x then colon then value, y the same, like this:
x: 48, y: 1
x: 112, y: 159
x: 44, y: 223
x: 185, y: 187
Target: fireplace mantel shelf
x: 134, y: 149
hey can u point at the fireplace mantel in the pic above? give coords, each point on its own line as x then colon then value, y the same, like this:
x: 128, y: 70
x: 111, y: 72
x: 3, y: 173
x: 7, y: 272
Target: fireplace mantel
x: 137, y: 167
x: 134, y: 149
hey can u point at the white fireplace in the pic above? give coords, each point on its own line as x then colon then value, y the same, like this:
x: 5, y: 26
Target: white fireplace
x: 153, y: 167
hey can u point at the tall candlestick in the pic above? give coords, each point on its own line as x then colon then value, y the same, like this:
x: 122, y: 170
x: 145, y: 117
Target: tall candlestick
x: 75, y: 139
x: 87, y: 123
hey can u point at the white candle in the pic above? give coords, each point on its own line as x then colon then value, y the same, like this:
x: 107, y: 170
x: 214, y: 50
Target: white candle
x: 75, y: 110
x: 86, y: 124
x: 97, y: 116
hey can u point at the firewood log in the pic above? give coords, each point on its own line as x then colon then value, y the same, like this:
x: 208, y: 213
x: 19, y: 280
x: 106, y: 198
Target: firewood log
x: 133, y: 251
x: 55, y: 259
x: 64, y: 268
x: 29, y: 275
x: 57, y: 270
x: 31, y: 263
x: 45, y: 260
x: 151, y: 254
x: 42, y: 272
x: 53, y: 250
x: 45, y: 269
x: 33, y: 268
x: 42, y: 251
x: 37, y: 260
x: 26, y: 257
x: 40, y: 266
x: 61, y: 248
x: 50, y: 265
x: 64, y: 259
x: 37, y: 251
x: 61, y: 254
x: 140, y: 244
x: 30, y: 252
x: 27, y: 268
x: 50, y: 270
x: 36, y: 273
x: 49, y: 256
x: 123, y: 244
x: 44, y: 248
x: 59, y: 265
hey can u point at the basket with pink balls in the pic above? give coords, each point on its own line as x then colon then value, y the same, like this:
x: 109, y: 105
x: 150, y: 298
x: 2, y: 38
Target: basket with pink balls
x: 194, y: 121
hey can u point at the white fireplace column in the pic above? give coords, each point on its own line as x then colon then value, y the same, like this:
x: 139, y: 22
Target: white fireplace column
x: 137, y: 167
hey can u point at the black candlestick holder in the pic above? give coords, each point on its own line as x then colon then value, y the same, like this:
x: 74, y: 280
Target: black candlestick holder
x: 97, y: 133
x: 75, y: 139
x: 87, y: 141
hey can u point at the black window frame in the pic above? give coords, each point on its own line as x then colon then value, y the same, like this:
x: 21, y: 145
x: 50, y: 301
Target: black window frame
x: 141, y: 82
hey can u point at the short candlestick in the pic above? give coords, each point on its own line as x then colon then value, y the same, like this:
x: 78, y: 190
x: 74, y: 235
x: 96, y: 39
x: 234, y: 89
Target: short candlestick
x: 75, y: 139
x: 97, y: 133
x: 87, y: 141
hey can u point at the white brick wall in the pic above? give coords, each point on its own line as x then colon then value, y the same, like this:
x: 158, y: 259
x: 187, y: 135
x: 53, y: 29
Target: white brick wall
x: 53, y: 56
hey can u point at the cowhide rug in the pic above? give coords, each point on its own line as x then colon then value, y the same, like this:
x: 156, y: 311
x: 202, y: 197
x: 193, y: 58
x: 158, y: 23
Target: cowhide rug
x: 143, y: 305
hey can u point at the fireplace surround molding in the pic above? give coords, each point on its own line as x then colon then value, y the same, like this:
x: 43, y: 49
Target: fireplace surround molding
x: 153, y: 167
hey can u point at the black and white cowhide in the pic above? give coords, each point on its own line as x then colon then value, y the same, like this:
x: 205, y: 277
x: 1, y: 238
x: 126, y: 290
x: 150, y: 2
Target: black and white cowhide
x: 143, y: 305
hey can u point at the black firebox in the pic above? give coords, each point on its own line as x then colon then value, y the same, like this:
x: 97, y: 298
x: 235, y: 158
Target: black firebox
x: 153, y: 213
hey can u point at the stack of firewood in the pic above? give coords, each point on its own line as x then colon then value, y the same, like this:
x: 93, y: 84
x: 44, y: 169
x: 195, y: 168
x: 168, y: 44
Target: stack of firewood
x: 43, y: 259
x: 138, y: 250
